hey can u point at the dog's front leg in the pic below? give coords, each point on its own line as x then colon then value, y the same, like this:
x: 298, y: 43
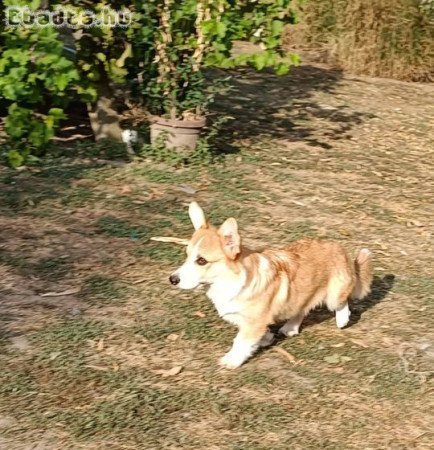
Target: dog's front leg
x: 245, y: 344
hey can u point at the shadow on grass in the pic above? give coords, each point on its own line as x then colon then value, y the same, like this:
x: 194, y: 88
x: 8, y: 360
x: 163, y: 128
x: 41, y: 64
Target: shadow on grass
x: 21, y: 190
x: 381, y: 286
x: 267, y: 105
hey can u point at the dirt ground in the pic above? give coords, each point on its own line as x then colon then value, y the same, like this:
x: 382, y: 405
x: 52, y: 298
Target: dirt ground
x: 97, y: 351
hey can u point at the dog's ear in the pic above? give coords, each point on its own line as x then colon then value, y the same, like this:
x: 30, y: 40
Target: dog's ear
x: 230, y: 238
x: 197, y: 216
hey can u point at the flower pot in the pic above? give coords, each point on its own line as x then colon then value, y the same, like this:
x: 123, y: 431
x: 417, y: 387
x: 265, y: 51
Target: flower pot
x: 180, y: 134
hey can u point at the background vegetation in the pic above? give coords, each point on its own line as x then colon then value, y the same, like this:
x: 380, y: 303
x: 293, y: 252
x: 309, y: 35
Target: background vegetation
x: 157, y: 62
x: 384, y: 38
x: 98, y: 352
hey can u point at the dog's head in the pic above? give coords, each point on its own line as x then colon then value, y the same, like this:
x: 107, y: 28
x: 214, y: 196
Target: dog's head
x: 211, y: 252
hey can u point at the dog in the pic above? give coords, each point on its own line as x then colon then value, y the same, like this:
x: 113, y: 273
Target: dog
x: 253, y: 290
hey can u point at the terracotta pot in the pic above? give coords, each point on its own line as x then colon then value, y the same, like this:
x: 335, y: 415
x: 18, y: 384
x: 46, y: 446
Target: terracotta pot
x: 180, y: 133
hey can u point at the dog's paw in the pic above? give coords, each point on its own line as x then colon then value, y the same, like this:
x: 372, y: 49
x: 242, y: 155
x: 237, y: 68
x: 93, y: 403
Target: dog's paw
x: 343, y: 316
x: 289, y: 331
x: 230, y: 361
x: 267, y: 339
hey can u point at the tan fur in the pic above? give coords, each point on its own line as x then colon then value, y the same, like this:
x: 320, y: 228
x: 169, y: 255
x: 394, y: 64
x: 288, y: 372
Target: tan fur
x: 273, y: 286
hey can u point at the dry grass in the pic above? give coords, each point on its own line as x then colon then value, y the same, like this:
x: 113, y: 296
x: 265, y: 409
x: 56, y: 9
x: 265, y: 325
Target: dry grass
x: 130, y: 363
x: 385, y: 38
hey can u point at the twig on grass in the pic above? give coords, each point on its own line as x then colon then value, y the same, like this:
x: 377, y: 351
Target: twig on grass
x: 173, y: 240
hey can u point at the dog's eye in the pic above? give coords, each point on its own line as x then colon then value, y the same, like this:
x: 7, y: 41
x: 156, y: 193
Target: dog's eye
x: 201, y: 261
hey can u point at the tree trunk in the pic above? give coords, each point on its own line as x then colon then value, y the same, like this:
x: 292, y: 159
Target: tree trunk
x: 104, y: 119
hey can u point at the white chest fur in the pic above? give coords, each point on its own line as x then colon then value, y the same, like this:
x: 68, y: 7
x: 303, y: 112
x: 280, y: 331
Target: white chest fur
x: 224, y: 297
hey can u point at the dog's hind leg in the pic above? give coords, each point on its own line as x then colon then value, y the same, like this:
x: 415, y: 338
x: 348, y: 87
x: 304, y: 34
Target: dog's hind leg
x: 292, y: 326
x: 343, y: 315
x: 338, y: 293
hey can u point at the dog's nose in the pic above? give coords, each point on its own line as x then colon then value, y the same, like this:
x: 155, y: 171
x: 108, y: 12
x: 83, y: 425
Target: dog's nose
x: 174, y: 279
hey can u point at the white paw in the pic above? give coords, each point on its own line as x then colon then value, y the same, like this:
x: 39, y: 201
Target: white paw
x: 292, y: 333
x: 231, y: 361
x: 342, y: 323
x: 343, y: 316
x: 288, y: 331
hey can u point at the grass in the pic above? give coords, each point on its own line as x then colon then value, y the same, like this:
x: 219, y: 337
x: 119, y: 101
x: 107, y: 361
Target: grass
x: 112, y: 226
x: 77, y: 197
x: 195, y: 317
x: 96, y: 373
x: 52, y: 268
x: 155, y: 252
x: 46, y: 268
x: 67, y: 335
x: 163, y: 176
x: 298, y: 230
x: 423, y: 285
x: 103, y: 289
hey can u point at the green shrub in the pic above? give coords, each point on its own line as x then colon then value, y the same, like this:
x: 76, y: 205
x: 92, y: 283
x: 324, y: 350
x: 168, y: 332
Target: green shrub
x: 35, y: 80
x: 158, y: 61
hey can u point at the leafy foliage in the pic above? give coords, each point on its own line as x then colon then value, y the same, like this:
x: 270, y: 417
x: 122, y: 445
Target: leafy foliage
x: 35, y: 81
x: 160, y: 60
x: 191, y: 36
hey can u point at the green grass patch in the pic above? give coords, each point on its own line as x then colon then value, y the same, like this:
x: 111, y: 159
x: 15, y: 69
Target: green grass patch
x: 52, y: 268
x: 103, y: 289
x: 136, y: 412
x: 181, y: 315
x: 249, y: 414
x: 162, y: 252
x: 104, y: 148
x: 67, y: 335
x: 157, y: 330
x: 77, y: 197
x: 59, y: 172
x: 218, y: 212
x: 294, y: 231
x: 14, y: 380
x: 20, y: 197
x: 63, y: 348
x: 12, y: 260
x: 166, y: 176
x: 115, y: 227
x: 233, y: 185
x: 421, y: 286
x: 254, y: 378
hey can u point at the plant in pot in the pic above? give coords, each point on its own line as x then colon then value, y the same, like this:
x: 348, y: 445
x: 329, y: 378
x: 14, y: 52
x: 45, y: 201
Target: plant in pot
x: 194, y: 35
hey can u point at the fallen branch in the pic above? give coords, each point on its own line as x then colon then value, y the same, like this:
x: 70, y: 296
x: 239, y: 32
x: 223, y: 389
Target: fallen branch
x: 174, y: 240
x: 61, y: 294
x: 287, y: 355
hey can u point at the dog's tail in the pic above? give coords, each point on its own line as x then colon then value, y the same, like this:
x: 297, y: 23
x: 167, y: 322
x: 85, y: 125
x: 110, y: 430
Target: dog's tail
x: 363, y: 265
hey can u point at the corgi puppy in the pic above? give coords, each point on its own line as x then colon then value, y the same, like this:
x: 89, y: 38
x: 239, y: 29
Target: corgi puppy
x: 253, y: 290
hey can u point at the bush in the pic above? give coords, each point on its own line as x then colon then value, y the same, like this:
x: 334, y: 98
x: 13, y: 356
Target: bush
x: 157, y: 60
x: 385, y: 38
x: 35, y: 85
